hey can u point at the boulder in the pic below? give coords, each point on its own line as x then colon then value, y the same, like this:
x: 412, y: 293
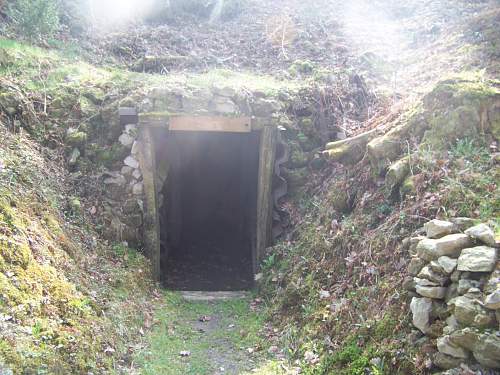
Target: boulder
x: 397, y: 173
x: 483, y: 233
x: 446, y: 346
x: 462, y: 223
x: 131, y: 162
x: 223, y: 105
x: 487, y: 350
x: 438, y: 228
x: 265, y: 107
x: 135, y: 148
x: 493, y: 283
x: 465, y: 338
x: 414, y: 241
x: 477, y: 259
x: 416, y: 265
x: 429, y: 274
x: 451, y: 325
x: 444, y: 264
x: 469, y: 312
x: 409, y: 284
x: 424, y: 282
x: 436, y: 292
x: 126, y: 170
x: 450, y: 245
x: 138, y: 188
x: 421, y: 309
x: 126, y: 140
x: 464, y: 285
x: 492, y: 301
x: 445, y: 361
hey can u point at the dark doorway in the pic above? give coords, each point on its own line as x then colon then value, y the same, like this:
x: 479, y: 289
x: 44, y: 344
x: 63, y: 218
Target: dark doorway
x: 208, y: 206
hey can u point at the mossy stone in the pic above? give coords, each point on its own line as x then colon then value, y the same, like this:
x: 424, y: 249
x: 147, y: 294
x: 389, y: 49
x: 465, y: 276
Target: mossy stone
x: 77, y: 138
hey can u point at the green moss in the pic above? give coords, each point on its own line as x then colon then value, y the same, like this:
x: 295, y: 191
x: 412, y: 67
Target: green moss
x: 76, y: 139
x: 408, y: 186
x: 14, y: 253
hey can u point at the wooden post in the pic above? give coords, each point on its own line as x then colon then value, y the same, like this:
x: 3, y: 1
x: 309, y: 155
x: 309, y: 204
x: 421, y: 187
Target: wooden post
x: 264, y: 201
x: 147, y: 160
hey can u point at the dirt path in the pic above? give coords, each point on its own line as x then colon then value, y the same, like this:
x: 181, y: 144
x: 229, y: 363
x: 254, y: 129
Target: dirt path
x: 206, y: 337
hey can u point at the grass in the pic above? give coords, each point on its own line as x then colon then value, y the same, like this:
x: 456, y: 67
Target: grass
x: 233, y: 329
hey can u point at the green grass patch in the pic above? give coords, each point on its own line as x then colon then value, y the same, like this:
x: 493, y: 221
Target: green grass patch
x: 232, y: 328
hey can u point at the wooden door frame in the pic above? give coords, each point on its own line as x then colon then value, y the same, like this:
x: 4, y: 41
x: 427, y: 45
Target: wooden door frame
x: 147, y: 159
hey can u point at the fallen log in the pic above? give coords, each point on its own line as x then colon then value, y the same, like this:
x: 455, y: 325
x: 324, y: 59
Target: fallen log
x: 350, y: 150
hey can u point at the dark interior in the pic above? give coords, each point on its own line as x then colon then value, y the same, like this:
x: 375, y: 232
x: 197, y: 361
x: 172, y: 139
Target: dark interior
x: 208, y: 209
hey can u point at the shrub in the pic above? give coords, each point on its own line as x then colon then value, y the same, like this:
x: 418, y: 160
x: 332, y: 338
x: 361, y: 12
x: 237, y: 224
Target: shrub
x: 36, y: 19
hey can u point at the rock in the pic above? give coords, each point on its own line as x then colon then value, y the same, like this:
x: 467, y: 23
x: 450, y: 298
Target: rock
x: 445, y: 346
x: 131, y: 206
x: 465, y: 284
x: 469, y: 312
x: 131, y: 129
x: 409, y: 284
x: 493, y: 282
x: 126, y: 170
x: 137, y: 174
x: 452, y: 292
x: 445, y: 361
x: 455, y: 276
x: 438, y: 228
x: 131, y: 162
x: 483, y: 233
x: 424, y: 282
x: 75, y: 154
x: 421, y: 310
x: 135, y: 148
x: 396, y: 174
x: 451, y: 325
x: 477, y: 259
x: 414, y: 241
x: 487, y: 350
x: 265, y: 107
x: 416, y: 265
x: 225, y: 91
x: 466, y: 338
x: 447, y: 264
x: 492, y: 301
x: 437, y: 292
x: 450, y: 245
x: 463, y: 223
x: 429, y: 274
x: 138, y: 188
x: 223, y: 105
x: 126, y: 140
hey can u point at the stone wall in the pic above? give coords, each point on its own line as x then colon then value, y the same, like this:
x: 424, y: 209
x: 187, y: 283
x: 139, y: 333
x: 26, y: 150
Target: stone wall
x: 124, y: 186
x: 454, y: 278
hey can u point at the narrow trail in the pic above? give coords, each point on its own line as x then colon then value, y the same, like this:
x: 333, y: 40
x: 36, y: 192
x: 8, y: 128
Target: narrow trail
x: 211, y: 336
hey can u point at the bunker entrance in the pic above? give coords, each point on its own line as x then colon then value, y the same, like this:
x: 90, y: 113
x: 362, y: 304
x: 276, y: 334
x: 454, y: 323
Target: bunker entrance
x: 207, y: 200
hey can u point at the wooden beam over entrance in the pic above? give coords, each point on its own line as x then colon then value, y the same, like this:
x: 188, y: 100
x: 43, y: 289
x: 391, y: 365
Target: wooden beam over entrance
x: 211, y: 124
